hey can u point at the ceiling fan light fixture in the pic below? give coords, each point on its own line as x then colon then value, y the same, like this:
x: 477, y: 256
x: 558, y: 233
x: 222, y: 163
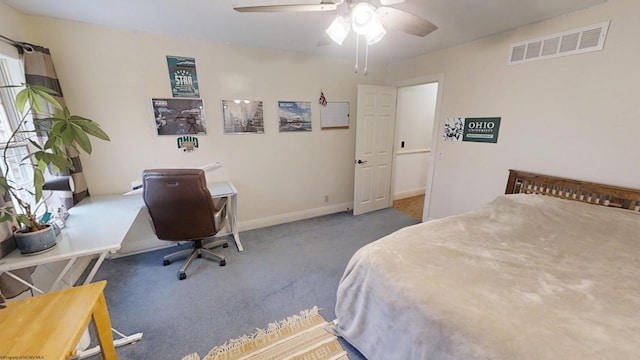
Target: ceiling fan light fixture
x: 362, y: 16
x: 339, y: 29
x: 375, y: 33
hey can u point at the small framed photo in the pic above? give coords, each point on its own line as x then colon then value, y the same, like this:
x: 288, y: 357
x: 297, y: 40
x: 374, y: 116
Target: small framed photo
x: 294, y: 115
x: 179, y: 116
x: 243, y: 117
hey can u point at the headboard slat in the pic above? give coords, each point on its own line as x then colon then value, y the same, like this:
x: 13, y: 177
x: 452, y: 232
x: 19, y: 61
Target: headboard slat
x: 583, y: 191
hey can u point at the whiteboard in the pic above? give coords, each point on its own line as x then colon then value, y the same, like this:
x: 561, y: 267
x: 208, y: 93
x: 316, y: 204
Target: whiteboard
x: 335, y: 115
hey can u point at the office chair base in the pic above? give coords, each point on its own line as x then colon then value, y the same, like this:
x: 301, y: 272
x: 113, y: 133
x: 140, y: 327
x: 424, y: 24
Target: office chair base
x: 198, y: 250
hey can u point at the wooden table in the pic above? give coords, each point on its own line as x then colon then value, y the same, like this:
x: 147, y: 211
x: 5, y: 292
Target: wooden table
x: 49, y: 326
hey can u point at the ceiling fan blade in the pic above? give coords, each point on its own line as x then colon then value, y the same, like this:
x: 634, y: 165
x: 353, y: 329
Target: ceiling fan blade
x: 390, y: 2
x: 323, y: 6
x: 404, y: 21
x: 324, y: 40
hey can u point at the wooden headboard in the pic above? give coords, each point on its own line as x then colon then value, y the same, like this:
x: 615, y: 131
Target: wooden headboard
x: 588, y: 192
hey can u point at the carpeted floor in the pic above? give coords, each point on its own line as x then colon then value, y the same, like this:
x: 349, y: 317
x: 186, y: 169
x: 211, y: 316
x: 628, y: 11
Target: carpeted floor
x: 411, y: 206
x: 284, y: 269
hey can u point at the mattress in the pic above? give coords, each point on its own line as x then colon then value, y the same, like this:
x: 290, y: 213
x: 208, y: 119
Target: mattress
x: 524, y: 277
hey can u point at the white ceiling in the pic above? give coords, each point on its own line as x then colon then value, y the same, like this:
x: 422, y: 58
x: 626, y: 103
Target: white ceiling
x: 459, y: 21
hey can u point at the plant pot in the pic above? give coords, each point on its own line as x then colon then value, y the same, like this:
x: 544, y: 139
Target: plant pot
x: 35, y: 242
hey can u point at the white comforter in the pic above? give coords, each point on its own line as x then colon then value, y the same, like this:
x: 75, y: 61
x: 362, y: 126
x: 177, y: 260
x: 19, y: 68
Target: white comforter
x: 525, y: 277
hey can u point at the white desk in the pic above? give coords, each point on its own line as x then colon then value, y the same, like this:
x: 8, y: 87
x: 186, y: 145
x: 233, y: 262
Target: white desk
x: 226, y: 189
x: 96, y: 226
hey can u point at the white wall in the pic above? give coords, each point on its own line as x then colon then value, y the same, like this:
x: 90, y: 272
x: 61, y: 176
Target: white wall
x: 110, y: 75
x: 574, y: 116
x: 414, y: 126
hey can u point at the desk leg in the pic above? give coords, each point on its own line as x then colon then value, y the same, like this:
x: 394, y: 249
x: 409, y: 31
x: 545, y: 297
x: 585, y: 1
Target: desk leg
x: 234, y: 224
x: 103, y: 329
x: 95, y: 268
x: 62, y: 274
x: 19, y: 279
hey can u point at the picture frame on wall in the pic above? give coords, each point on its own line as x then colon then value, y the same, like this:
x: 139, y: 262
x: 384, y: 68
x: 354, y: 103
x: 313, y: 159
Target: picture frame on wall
x: 179, y: 116
x: 243, y: 116
x: 294, y: 116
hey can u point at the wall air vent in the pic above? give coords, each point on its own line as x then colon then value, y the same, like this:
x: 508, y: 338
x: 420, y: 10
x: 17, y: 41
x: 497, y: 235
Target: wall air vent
x: 577, y: 41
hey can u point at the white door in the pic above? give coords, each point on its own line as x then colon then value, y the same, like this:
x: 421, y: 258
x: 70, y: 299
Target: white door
x: 375, y: 124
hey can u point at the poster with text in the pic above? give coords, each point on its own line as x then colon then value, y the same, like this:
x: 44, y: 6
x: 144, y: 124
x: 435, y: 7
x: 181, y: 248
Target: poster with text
x: 183, y: 77
x: 472, y: 129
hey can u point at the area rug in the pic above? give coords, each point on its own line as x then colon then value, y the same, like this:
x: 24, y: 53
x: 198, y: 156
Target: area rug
x: 305, y: 336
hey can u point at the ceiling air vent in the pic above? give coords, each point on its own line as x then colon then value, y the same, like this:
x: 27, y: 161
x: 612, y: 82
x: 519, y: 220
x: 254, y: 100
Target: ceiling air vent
x: 577, y: 41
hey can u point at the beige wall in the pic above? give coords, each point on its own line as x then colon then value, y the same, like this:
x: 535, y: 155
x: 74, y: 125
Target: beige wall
x: 12, y: 25
x: 575, y: 116
x: 572, y: 116
x: 110, y: 75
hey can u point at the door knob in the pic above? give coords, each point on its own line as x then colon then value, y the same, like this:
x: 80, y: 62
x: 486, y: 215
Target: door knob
x: 361, y: 162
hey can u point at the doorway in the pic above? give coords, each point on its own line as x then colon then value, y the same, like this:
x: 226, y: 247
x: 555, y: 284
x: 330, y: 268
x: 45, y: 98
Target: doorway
x: 376, y: 146
x: 415, y: 142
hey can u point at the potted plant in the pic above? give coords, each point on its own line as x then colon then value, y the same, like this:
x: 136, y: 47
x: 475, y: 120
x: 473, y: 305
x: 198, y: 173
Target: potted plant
x: 61, y: 130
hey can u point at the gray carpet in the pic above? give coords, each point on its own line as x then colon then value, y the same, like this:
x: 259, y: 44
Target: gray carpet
x: 283, y: 270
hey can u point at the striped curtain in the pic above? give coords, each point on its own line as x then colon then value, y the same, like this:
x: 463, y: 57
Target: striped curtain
x: 39, y: 70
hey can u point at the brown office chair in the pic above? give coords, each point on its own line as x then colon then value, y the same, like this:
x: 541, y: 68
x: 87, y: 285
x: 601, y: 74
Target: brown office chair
x: 181, y: 209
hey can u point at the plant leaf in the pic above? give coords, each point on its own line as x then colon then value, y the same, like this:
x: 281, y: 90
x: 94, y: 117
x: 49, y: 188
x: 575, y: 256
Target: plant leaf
x: 90, y: 127
x: 4, y: 186
x: 35, y: 144
x: 45, y: 94
x: 66, y: 134
x: 21, y: 100
x: 23, y: 219
x: 38, y: 182
x: 81, y: 138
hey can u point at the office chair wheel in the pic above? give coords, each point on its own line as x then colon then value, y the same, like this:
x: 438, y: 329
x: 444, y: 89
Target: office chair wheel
x: 223, y: 263
x: 182, y: 276
x: 166, y: 262
x: 225, y: 245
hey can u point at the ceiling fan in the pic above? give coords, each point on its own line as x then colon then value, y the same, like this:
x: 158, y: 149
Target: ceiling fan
x: 362, y: 16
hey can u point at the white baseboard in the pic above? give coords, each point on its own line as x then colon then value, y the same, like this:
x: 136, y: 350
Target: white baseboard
x: 293, y: 216
x: 147, y: 243
x: 408, y: 193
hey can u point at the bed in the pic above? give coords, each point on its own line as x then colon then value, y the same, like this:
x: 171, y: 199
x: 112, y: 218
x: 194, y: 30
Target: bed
x: 550, y: 270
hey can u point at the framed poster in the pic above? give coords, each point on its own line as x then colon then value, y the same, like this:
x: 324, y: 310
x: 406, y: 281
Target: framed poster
x: 183, y: 77
x: 334, y: 115
x: 243, y: 117
x: 179, y: 116
x: 294, y: 116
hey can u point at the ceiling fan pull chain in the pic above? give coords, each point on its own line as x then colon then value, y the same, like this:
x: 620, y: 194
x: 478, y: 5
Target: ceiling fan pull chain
x: 366, y: 59
x: 357, y: 50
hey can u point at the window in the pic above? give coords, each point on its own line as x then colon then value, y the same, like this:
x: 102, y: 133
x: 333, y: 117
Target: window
x: 10, y: 73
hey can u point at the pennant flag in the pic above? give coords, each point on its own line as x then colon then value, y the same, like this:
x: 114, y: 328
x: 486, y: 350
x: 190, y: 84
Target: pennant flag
x: 322, y: 101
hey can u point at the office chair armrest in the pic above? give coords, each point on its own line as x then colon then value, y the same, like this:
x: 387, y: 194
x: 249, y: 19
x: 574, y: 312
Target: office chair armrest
x: 220, y: 203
